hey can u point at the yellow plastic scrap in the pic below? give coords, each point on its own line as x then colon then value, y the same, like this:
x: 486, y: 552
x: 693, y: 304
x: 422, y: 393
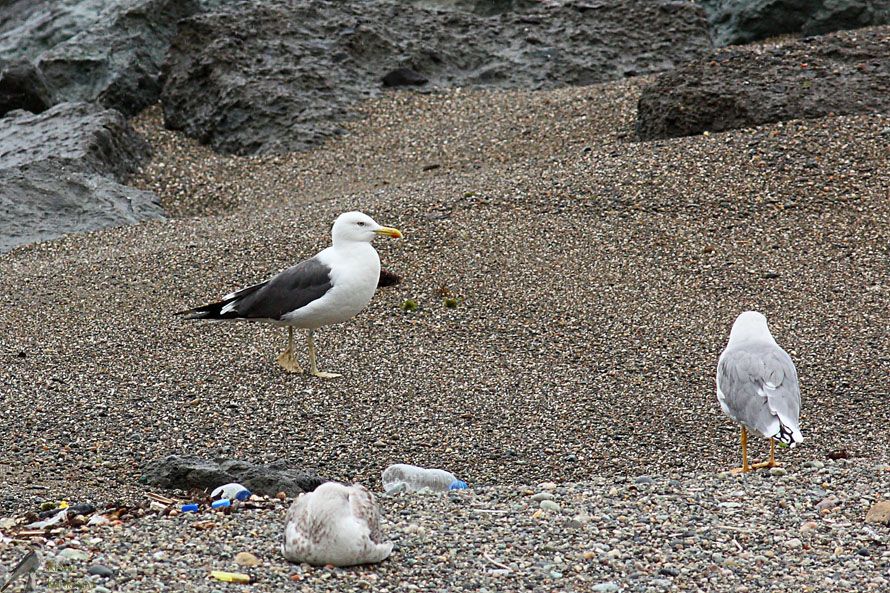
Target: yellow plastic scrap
x: 63, y: 504
x: 230, y: 577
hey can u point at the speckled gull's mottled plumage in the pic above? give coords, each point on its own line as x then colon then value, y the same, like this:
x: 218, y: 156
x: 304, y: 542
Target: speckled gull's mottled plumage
x: 335, y: 524
x: 757, y: 382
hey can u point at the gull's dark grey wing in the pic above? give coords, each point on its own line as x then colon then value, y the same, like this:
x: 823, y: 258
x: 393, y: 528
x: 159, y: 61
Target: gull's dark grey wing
x: 288, y: 291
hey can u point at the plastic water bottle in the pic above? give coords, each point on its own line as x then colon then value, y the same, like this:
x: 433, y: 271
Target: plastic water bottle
x: 413, y: 478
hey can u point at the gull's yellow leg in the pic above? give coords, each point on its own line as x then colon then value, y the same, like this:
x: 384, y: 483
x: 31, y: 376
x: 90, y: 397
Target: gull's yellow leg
x: 287, y: 358
x: 772, y: 457
x: 745, y: 467
x: 313, y: 367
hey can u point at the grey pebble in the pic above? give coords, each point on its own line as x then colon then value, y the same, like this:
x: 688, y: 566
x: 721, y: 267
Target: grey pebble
x: 100, y: 570
x: 549, y: 505
x: 828, y: 503
x: 73, y: 554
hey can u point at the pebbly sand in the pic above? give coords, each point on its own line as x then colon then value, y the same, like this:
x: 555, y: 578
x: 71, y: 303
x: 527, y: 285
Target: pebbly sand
x: 598, y: 278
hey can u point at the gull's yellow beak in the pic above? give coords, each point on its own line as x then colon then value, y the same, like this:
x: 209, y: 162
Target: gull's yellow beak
x: 389, y: 232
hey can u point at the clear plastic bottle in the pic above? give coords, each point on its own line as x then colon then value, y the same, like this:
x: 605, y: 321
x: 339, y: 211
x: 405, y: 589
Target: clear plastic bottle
x: 416, y: 478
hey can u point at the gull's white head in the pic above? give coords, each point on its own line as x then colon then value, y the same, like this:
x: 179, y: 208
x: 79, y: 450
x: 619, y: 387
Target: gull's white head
x: 331, y: 497
x: 359, y: 227
x: 750, y: 325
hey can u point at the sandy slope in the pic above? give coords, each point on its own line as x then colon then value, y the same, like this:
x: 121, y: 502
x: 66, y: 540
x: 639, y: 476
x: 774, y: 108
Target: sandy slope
x: 598, y: 279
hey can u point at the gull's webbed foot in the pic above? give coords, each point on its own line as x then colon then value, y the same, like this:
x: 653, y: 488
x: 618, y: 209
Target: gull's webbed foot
x: 287, y: 360
x: 771, y: 463
x: 324, y: 375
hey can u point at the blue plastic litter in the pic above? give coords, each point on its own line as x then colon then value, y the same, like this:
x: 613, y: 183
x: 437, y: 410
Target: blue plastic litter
x: 458, y: 485
x: 190, y: 508
x: 220, y: 504
x: 243, y: 495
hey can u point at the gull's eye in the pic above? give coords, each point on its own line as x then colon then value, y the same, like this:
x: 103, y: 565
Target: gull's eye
x: 360, y: 223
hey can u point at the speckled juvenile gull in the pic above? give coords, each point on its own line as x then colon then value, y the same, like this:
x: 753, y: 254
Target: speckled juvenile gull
x: 334, y: 524
x: 331, y: 287
x: 757, y: 386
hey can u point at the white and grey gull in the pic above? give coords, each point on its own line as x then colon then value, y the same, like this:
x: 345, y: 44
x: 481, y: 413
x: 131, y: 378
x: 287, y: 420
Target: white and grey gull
x: 331, y: 287
x: 334, y: 524
x: 757, y: 387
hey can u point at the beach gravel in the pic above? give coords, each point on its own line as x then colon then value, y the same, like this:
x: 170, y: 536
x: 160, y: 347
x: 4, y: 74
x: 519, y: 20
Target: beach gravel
x: 681, y: 532
x: 596, y: 279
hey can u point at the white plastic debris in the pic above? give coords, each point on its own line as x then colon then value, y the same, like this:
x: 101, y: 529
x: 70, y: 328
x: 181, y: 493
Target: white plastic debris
x: 233, y: 491
x: 57, y: 518
x: 98, y: 520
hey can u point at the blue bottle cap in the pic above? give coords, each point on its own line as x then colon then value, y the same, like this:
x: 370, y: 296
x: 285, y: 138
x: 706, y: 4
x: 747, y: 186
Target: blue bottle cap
x: 243, y: 495
x: 458, y: 485
x: 219, y: 504
x: 190, y: 508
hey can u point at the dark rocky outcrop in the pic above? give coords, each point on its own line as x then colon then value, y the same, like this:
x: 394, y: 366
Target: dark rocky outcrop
x: 60, y: 171
x: 481, y: 7
x: 22, y: 86
x: 738, y: 87
x: 276, y: 76
x: 743, y: 21
x: 117, y: 61
x: 103, y: 51
x: 187, y: 473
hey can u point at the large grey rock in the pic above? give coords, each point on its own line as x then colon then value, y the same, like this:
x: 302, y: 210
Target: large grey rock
x: 743, y: 21
x: 60, y: 172
x: 837, y: 15
x: 105, y: 51
x: 277, y: 76
x: 30, y: 27
x: 186, y: 473
x: 117, y: 61
x: 842, y: 73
